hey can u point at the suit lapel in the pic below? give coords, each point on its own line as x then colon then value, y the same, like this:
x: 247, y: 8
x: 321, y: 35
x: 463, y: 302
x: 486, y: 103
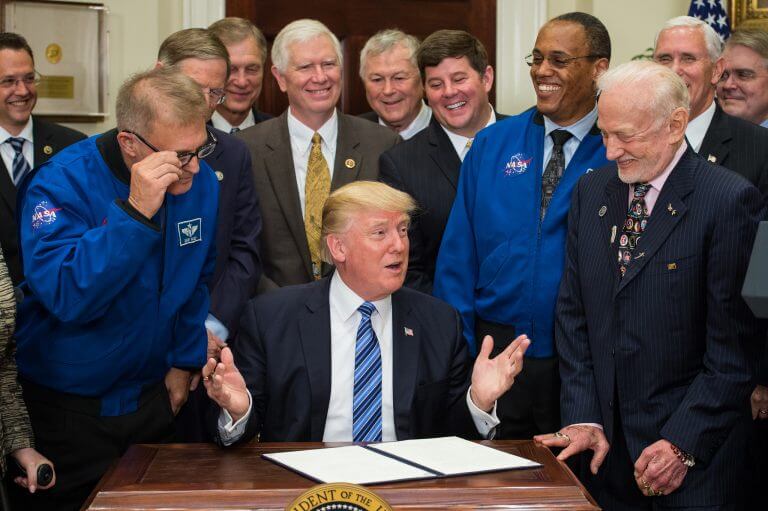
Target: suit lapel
x: 405, y: 356
x: 668, y: 211
x: 282, y: 175
x: 315, y: 332
x: 613, y: 217
x: 443, y: 153
x: 349, y: 161
x: 717, y: 139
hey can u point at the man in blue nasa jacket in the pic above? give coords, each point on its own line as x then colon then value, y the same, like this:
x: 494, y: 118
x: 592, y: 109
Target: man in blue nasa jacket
x: 117, y: 240
x: 502, y: 253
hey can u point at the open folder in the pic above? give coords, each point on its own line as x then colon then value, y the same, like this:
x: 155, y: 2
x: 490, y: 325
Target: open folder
x: 398, y: 461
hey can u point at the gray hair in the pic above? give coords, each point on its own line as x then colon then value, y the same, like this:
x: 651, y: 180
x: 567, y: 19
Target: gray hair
x: 233, y: 30
x: 667, y: 90
x: 756, y: 39
x: 300, y: 31
x: 712, y: 41
x: 162, y: 91
x: 386, y: 40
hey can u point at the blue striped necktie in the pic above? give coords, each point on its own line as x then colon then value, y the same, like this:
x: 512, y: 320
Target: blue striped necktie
x: 234, y: 130
x: 20, y: 165
x: 366, y: 408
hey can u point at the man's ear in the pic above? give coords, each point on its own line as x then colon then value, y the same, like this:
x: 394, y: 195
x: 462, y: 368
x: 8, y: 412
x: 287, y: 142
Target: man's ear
x: 336, y: 248
x: 158, y: 64
x: 678, y: 122
x: 127, y: 144
x: 280, y: 78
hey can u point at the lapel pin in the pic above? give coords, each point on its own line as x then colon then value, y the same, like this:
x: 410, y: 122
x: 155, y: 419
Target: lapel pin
x: 641, y: 254
x: 671, y: 209
x: 407, y: 331
x: 613, y: 234
x: 712, y: 158
x: 672, y: 266
x: 48, y: 150
x: 349, y: 163
x: 602, y: 211
x: 219, y: 175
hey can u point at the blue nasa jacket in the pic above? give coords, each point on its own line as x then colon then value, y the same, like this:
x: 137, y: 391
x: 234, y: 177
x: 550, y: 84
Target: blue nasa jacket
x: 112, y: 301
x: 497, y: 260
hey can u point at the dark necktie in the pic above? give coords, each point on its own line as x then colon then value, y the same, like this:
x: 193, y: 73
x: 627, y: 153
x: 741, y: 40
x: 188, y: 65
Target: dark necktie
x: 554, y: 170
x: 234, y: 130
x: 366, y: 406
x: 20, y: 165
x: 634, y: 225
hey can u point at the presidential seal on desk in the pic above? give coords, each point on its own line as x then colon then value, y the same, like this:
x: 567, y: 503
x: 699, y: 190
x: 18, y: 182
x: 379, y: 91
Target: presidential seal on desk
x: 338, y: 497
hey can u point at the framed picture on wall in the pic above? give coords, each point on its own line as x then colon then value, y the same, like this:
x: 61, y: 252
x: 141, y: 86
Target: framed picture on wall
x: 749, y: 13
x: 70, y: 44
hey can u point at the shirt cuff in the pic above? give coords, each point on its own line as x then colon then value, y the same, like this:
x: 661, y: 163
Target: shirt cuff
x: 593, y: 424
x: 216, y: 327
x: 230, y: 432
x: 484, y: 422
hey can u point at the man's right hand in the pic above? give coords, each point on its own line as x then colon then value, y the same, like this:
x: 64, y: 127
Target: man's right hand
x: 150, y: 178
x: 578, y: 438
x: 225, y: 385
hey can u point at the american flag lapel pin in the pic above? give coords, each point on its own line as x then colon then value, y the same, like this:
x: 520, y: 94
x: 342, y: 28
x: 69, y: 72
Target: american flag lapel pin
x: 408, y: 332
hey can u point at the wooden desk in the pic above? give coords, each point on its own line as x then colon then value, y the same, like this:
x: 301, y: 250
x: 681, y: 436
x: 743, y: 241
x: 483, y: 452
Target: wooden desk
x: 202, y: 476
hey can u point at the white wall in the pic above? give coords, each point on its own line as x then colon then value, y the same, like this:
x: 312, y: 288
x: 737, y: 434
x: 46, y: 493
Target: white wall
x: 631, y: 24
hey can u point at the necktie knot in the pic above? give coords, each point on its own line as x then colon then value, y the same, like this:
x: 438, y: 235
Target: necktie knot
x: 366, y: 309
x: 316, y: 139
x: 641, y: 189
x: 560, y: 137
x: 234, y: 130
x: 17, y: 143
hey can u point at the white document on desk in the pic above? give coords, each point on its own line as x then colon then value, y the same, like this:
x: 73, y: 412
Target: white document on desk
x: 449, y: 456
x: 350, y: 464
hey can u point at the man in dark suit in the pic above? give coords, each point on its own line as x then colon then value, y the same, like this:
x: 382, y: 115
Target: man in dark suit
x: 653, y: 336
x: 311, y: 149
x: 355, y: 356
x: 201, y: 56
x: 427, y: 166
x: 36, y: 139
x: 691, y: 48
x: 393, y: 88
x: 247, y: 50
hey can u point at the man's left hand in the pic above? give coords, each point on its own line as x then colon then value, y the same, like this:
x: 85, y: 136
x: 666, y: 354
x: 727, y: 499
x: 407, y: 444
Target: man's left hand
x: 178, y: 382
x: 491, y: 378
x: 658, y: 470
x: 759, y: 402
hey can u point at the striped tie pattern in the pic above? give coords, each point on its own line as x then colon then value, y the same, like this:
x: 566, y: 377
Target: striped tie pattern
x: 234, y: 130
x: 366, y: 407
x: 20, y: 165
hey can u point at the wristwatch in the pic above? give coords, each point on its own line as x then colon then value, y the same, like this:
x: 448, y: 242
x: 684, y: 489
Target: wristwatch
x: 683, y: 456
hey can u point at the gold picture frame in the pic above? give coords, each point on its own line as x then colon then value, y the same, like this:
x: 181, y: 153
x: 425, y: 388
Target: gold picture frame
x: 749, y: 14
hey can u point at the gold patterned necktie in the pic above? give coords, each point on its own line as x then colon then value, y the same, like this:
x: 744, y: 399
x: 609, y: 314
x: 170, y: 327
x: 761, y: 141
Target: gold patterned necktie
x: 316, y: 190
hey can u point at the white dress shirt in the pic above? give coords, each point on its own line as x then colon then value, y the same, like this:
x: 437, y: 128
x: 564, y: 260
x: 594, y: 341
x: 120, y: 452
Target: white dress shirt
x: 459, y: 142
x: 578, y: 131
x: 220, y: 123
x: 28, y: 150
x: 420, y: 122
x: 301, y: 145
x: 697, y: 128
x: 345, y: 319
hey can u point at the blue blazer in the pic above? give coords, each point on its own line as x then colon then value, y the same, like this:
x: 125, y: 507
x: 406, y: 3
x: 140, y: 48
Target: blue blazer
x: 283, y: 351
x: 672, y: 339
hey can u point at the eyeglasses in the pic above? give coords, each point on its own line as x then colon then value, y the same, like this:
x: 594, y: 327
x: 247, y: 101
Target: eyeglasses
x: 185, y: 156
x: 739, y: 75
x: 28, y: 79
x: 556, y: 61
x: 218, y: 95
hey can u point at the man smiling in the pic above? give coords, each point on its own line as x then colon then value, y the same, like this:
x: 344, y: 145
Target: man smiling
x: 501, y: 255
x: 311, y: 149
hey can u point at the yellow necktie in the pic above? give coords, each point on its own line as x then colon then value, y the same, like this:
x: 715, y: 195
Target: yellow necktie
x: 316, y: 190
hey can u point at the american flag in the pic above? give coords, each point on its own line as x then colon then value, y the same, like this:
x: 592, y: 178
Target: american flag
x: 714, y: 13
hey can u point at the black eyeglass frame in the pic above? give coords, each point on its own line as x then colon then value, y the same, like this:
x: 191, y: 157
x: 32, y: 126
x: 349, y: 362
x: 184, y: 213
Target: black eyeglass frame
x: 185, y: 156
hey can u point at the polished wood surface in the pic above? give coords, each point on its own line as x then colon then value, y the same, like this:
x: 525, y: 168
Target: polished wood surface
x: 202, y: 476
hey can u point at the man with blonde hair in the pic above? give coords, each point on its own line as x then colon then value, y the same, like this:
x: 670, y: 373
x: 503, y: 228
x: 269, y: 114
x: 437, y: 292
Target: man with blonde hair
x: 392, y: 83
x: 310, y: 150
x: 356, y: 356
x: 247, y: 48
x: 655, y: 376
x: 117, y: 239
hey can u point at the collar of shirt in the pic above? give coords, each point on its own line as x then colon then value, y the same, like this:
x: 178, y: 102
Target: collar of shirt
x: 419, y: 123
x: 301, y: 135
x: 345, y: 302
x: 764, y: 124
x: 697, y: 128
x: 220, y: 123
x: 6, y: 149
x: 25, y: 133
x: 109, y: 148
x: 657, y: 183
x: 578, y: 130
x: 460, y: 142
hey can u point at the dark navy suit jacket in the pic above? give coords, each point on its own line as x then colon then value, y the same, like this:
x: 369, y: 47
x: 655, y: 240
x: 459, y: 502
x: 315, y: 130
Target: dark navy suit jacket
x: 238, y: 263
x: 670, y: 343
x: 283, y: 351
